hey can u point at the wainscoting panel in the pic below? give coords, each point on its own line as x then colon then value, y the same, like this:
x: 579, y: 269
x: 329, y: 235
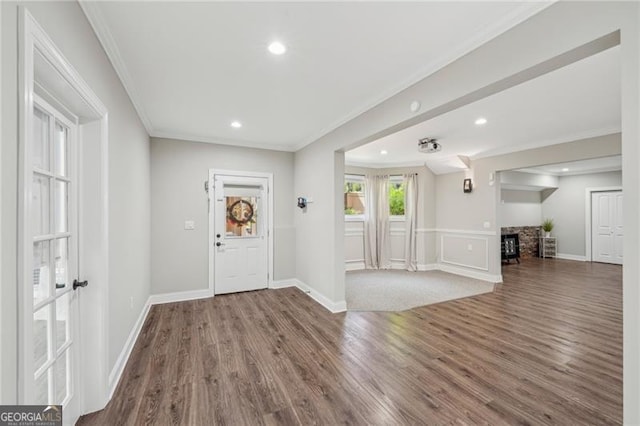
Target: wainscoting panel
x: 465, y: 250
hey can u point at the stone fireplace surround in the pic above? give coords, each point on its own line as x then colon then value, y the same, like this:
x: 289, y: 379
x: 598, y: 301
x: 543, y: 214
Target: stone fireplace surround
x: 528, y: 236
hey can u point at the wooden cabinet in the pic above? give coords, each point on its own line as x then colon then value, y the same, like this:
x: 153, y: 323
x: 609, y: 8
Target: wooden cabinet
x: 547, y: 247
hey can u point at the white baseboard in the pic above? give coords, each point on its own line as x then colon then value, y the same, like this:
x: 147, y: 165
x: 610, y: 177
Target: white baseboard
x: 179, y: 296
x: 154, y: 299
x: 291, y: 282
x: 428, y: 267
x: 470, y: 274
x: 571, y: 257
x: 327, y: 303
x: 121, y: 362
x: 354, y: 265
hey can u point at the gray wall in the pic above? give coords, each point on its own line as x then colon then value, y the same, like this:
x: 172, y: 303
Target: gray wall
x: 178, y: 172
x: 520, y: 208
x: 129, y: 203
x: 566, y: 206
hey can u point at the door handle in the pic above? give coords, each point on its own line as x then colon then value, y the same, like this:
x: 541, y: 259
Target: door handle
x: 77, y: 284
x: 218, y: 244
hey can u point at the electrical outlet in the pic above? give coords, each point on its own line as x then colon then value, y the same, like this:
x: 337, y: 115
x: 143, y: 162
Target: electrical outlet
x: 470, y: 247
x: 189, y: 225
x: 487, y: 225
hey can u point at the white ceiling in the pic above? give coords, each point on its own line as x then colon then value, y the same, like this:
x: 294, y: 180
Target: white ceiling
x: 574, y: 102
x: 595, y: 165
x: 193, y: 67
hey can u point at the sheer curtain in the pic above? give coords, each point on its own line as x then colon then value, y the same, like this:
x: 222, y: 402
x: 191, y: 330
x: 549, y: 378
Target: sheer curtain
x: 376, y: 223
x: 410, y: 221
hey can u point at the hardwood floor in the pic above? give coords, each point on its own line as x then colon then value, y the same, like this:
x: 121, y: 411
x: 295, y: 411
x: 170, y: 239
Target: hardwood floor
x: 544, y: 348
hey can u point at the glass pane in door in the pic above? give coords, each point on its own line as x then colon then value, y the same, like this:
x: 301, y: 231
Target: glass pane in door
x: 41, y: 271
x: 40, y: 205
x: 242, y: 217
x: 42, y: 389
x: 61, y: 377
x: 61, y: 206
x: 61, y: 260
x: 62, y: 320
x: 60, y: 150
x: 40, y: 144
x: 41, y: 336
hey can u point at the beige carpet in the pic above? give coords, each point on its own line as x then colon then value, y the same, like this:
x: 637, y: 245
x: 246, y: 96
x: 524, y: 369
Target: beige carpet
x: 373, y: 290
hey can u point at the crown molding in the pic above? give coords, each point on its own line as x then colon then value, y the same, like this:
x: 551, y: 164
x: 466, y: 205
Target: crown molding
x: 221, y: 141
x: 545, y: 143
x: 384, y: 165
x: 92, y: 11
x: 525, y: 11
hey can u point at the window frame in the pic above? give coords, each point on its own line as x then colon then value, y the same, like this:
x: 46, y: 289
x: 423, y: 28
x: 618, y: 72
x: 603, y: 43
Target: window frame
x: 356, y: 179
x: 393, y: 179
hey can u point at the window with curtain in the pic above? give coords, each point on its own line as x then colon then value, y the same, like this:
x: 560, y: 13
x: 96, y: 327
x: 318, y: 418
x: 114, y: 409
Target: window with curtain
x: 396, y: 197
x: 354, y: 202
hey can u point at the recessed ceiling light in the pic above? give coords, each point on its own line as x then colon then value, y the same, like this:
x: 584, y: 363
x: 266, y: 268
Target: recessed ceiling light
x: 565, y: 169
x: 236, y: 124
x: 384, y: 152
x: 277, y: 48
x: 481, y: 121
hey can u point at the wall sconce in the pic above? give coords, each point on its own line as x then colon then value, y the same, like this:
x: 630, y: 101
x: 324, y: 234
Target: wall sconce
x: 467, y: 186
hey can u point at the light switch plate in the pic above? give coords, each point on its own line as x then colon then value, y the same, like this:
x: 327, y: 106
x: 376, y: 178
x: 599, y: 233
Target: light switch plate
x: 487, y: 225
x: 189, y: 225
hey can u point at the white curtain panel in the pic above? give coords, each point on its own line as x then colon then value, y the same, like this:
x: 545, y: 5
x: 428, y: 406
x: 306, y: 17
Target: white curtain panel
x: 376, y: 223
x: 410, y: 221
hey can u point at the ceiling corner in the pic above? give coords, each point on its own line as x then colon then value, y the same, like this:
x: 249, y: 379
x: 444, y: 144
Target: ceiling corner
x: 91, y: 10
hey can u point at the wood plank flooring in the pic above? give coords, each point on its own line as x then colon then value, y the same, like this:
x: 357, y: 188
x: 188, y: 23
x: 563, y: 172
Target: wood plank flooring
x: 544, y: 348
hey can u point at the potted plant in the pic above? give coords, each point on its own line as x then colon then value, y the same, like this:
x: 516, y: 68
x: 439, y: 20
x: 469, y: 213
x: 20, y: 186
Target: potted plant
x: 547, y: 227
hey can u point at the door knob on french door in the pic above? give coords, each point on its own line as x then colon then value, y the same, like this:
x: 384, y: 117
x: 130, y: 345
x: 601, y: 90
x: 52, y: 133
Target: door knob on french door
x: 218, y: 244
x: 77, y: 284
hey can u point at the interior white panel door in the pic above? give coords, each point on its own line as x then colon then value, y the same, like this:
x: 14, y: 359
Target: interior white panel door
x: 607, y: 230
x: 241, y: 223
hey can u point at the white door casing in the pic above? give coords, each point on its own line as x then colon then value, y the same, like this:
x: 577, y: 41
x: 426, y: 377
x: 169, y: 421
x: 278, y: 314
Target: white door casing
x: 240, y: 223
x: 607, y: 230
x: 50, y: 87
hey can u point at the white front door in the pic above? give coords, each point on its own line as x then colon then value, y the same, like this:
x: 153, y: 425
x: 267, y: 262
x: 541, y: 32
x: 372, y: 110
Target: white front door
x: 49, y: 331
x: 607, y: 230
x: 240, y: 209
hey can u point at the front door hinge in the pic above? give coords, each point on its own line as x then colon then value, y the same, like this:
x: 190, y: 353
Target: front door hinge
x: 206, y: 186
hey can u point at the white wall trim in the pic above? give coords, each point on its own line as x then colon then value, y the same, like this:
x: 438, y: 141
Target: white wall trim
x: 571, y: 257
x: 216, y: 140
x: 465, y: 231
x: 291, y: 282
x: 425, y: 230
x: 428, y: 267
x: 470, y: 274
x: 354, y: 265
x: 331, y: 306
x: 349, y: 233
x: 179, y: 296
x: 486, y: 252
x: 587, y: 216
x: 121, y: 362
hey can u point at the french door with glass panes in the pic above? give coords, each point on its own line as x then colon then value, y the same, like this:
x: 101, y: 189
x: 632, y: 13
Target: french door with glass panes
x: 51, y: 243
